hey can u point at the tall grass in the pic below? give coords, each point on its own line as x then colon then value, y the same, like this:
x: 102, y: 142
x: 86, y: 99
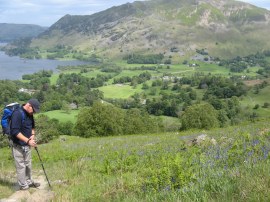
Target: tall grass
x: 157, y: 167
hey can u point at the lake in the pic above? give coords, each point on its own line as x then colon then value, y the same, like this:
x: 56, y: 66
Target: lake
x: 12, y: 68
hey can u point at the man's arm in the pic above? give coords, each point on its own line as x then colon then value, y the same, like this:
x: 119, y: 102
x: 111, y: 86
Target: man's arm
x: 30, y: 141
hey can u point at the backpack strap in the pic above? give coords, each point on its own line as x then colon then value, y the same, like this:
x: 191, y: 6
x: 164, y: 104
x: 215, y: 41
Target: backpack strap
x: 23, y: 114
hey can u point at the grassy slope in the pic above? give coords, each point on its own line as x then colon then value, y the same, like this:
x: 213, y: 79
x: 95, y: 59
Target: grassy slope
x: 114, y: 168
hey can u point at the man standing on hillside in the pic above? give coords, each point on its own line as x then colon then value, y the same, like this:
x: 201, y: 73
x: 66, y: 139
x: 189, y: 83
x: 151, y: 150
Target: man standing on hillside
x: 22, y: 131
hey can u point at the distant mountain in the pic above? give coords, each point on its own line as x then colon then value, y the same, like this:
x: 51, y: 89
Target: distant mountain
x: 223, y: 27
x: 10, y: 32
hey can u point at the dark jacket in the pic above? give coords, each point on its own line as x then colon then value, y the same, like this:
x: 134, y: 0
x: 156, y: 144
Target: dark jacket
x: 21, y: 123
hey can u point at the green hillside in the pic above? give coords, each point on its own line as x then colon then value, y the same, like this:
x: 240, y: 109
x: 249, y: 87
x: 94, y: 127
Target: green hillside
x: 231, y: 164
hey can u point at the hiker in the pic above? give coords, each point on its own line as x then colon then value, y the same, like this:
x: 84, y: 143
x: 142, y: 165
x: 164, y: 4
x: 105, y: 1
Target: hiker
x: 22, y: 131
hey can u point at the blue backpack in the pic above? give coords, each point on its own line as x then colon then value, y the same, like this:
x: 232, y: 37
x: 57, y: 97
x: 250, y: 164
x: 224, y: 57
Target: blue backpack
x: 6, y: 117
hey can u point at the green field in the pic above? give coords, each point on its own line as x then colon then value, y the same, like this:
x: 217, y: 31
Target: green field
x: 130, y: 73
x: 53, y: 78
x: 63, y: 116
x: 121, y: 91
x: 94, y: 73
x: 253, y: 99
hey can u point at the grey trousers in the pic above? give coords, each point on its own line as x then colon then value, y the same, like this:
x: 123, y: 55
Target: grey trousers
x: 22, y: 157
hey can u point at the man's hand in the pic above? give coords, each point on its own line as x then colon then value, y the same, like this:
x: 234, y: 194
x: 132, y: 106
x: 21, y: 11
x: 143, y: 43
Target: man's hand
x: 31, y: 142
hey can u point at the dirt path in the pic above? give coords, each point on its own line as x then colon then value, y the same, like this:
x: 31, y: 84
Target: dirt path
x: 40, y: 194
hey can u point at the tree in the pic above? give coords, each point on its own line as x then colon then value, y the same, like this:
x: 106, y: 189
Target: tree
x: 137, y: 121
x: 202, y: 116
x: 99, y: 120
x: 46, y: 129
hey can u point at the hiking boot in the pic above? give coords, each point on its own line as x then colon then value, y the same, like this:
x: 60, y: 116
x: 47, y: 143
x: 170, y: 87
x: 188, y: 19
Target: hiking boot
x: 34, y: 184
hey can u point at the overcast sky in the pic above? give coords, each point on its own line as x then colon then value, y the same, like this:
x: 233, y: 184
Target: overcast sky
x: 47, y: 12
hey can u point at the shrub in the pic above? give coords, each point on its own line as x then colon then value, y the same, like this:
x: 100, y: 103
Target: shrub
x: 202, y: 116
x: 108, y: 120
x: 257, y: 106
x: 99, y: 120
x: 46, y: 129
x: 266, y: 105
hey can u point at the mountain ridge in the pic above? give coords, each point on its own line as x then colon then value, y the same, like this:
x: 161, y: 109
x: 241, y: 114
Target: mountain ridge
x: 225, y: 28
x: 11, y: 31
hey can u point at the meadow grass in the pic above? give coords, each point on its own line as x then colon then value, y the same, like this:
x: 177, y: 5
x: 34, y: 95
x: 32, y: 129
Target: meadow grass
x: 63, y: 116
x: 207, y: 68
x: 262, y: 96
x: 156, y: 167
x: 130, y: 73
x: 252, y: 99
x: 53, y: 78
x: 94, y: 73
x: 170, y: 123
x: 124, y: 64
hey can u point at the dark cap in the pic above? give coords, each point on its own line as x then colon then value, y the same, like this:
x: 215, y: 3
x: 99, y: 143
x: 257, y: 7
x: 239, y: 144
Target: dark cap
x: 35, y: 104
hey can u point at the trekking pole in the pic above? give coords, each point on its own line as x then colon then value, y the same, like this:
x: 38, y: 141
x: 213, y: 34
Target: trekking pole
x: 43, y: 167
